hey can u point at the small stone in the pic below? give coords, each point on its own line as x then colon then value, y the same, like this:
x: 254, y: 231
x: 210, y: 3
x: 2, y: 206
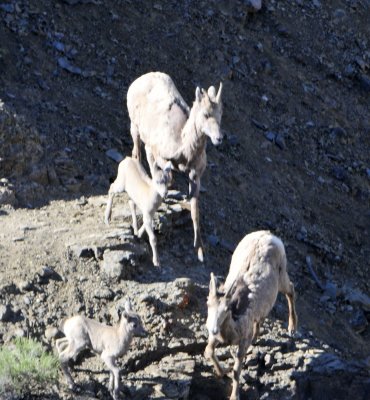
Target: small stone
x: 364, y: 81
x: 104, y: 293
x: 270, y: 136
x: 6, y: 313
x: 51, y: 332
x: 26, y: 286
x: 280, y: 141
x: 213, y: 240
x: 115, y: 155
x: 80, y: 251
x: 64, y: 63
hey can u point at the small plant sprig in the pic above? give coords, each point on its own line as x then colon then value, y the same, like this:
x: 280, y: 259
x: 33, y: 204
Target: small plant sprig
x: 24, y: 364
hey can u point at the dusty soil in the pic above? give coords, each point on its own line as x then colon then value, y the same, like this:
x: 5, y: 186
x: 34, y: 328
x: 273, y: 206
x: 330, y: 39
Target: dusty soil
x: 295, y: 160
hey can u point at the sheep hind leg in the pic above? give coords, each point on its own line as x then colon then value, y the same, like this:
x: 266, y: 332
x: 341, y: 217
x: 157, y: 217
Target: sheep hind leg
x: 69, y: 352
x: 134, y: 219
x: 287, y: 288
x: 116, y: 187
x: 293, y: 320
x: 243, y: 345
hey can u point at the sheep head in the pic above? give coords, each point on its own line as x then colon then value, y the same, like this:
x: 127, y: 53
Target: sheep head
x: 208, y: 113
x: 162, y: 178
x: 218, y: 307
x: 132, y: 320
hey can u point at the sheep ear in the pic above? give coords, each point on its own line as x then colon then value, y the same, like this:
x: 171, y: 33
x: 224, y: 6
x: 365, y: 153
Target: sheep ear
x: 198, y: 95
x: 212, y: 93
x: 229, y: 292
x: 218, y: 97
x: 128, y: 307
x: 213, y: 286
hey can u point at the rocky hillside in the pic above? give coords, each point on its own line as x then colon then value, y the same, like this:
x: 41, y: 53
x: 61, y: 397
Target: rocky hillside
x: 295, y: 160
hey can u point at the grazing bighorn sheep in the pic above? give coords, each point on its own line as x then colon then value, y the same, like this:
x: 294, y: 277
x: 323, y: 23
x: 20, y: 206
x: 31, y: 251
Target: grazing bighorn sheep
x: 172, y: 131
x: 144, y: 192
x: 258, y: 271
x: 110, y: 342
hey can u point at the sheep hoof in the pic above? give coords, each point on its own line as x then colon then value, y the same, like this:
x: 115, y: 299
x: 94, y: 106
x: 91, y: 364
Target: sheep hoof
x: 200, y: 255
x: 74, y: 388
x: 116, y: 394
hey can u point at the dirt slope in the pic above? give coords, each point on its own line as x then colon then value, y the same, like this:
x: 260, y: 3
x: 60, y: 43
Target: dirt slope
x: 295, y: 160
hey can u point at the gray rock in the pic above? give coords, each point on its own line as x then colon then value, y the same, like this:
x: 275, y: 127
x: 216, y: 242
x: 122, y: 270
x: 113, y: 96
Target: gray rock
x: 64, y: 63
x: 364, y: 81
x: 5, y: 313
x: 213, y: 240
x: 115, y: 155
x: 104, y: 293
x: 81, y: 251
x: 7, y: 196
x: 51, y: 332
x: 122, y: 263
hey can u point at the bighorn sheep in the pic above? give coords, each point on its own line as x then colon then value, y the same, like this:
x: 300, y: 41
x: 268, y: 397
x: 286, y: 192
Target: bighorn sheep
x: 258, y: 271
x: 110, y: 342
x: 172, y: 131
x: 144, y: 192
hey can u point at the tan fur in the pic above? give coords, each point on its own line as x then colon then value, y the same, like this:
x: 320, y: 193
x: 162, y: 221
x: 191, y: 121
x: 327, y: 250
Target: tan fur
x: 110, y: 342
x: 258, y: 271
x: 162, y: 120
x: 144, y: 192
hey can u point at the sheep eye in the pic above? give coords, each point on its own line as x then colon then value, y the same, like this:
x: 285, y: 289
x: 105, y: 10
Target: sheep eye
x: 207, y: 115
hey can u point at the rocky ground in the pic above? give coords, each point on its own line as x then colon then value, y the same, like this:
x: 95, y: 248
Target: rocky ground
x: 295, y: 160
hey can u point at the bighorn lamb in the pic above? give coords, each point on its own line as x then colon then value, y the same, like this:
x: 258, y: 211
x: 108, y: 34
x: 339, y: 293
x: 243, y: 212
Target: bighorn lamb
x: 258, y: 271
x: 144, y: 192
x: 110, y: 342
x: 172, y: 131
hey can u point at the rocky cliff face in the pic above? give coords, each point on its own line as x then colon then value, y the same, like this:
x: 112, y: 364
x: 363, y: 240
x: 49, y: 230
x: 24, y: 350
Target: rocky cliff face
x: 295, y: 160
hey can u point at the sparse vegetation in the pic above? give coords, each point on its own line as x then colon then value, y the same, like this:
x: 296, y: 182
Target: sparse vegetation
x: 25, y: 364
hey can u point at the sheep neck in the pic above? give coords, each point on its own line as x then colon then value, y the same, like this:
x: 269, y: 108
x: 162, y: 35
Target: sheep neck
x: 193, y: 140
x: 125, y: 334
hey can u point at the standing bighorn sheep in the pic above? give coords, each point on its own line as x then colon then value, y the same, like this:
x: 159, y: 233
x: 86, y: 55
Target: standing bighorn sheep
x: 258, y: 271
x: 144, y: 192
x: 172, y: 131
x: 110, y: 342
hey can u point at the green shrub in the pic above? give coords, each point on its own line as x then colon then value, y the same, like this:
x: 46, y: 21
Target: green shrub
x: 24, y: 365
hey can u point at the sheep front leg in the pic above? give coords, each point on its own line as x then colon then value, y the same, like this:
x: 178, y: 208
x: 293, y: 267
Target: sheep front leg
x: 133, y: 213
x: 136, y: 153
x: 194, y: 187
x: 237, y: 368
x: 210, y: 354
x: 147, y: 223
x: 150, y: 159
x: 114, y: 371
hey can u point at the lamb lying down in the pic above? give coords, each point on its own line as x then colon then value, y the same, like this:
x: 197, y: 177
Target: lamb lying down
x: 110, y: 342
x: 144, y: 192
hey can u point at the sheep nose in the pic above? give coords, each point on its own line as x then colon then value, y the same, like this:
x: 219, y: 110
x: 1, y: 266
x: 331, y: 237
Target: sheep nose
x: 215, y: 331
